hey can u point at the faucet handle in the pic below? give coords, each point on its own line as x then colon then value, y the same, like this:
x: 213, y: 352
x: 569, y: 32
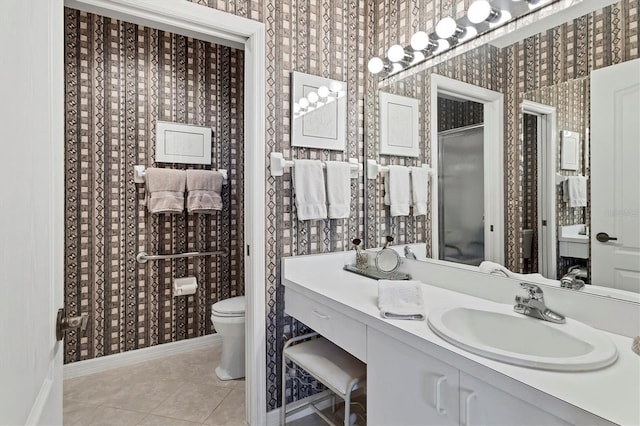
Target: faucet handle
x: 534, y: 292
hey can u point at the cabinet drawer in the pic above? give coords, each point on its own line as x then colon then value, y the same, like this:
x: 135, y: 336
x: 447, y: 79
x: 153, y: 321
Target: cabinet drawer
x: 349, y: 334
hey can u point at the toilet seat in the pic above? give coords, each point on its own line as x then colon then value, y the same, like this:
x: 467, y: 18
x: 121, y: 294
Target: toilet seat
x: 232, y: 307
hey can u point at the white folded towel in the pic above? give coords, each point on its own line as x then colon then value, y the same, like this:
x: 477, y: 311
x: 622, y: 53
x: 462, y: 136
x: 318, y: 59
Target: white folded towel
x: 397, y: 188
x: 400, y: 299
x: 574, y: 191
x: 419, y: 190
x: 339, y: 189
x: 308, y: 183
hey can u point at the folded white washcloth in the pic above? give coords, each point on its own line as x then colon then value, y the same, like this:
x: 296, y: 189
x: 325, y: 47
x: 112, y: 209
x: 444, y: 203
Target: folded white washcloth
x: 419, y: 190
x: 400, y: 299
x: 495, y: 269
x: 165, y: 190
x: 204, y: 188
x: 397, y: 188
x: 308, y: 183
x: 574, y: 191
x: 339, y: 189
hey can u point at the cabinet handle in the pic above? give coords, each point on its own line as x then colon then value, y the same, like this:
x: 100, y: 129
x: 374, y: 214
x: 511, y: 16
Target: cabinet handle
x: 467, y: 421
x: 439, y: 383
x: 320, y: 315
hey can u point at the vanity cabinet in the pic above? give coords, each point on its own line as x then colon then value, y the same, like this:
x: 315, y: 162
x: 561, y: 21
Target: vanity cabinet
x: 407, y: 387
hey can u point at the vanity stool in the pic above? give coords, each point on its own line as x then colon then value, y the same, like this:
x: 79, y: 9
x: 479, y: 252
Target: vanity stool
x: 338, y: 370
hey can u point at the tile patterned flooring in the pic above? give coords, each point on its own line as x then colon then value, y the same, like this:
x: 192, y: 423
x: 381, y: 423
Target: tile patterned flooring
x: 177, y: 390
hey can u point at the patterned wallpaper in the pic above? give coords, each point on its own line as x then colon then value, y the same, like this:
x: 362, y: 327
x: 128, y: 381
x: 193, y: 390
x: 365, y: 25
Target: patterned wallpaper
x: 605, y: 37
x: 120, y: 80
x: 530, y: 187
x: 453, y: 114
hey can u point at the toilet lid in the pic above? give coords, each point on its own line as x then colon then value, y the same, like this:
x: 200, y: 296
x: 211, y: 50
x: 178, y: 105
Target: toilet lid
x: 227, y: 307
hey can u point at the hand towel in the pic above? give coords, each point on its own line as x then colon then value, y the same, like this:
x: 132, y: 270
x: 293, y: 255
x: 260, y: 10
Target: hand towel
x: 419, y: 190
x: 204, y: 188
x: 165, y: 190
x: 308, y: 183
x: 574, y: 191
x: 397, y: 188
x: 339, y: 189
x: 495, y: 269
x: 400, y: 299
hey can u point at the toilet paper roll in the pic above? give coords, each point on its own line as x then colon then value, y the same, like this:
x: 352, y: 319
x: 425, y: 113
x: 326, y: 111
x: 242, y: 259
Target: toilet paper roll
x: 184, y: 286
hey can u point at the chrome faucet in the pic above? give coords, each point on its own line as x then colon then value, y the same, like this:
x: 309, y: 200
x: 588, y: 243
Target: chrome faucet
x: 533, y: 305
x: 572, y: 281
x: 408, y: 253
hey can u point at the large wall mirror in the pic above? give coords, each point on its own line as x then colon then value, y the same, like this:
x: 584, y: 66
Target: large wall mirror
x: 520, y: 173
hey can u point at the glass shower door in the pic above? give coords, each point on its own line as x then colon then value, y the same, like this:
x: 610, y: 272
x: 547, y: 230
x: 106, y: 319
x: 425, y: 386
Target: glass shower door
x: 461, y: 195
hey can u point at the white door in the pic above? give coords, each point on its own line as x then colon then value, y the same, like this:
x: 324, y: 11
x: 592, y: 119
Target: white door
x: 615, y: 176
x: 31, y: 197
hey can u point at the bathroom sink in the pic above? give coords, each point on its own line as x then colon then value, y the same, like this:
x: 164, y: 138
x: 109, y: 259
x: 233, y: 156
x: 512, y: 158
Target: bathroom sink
x: 509, y: 337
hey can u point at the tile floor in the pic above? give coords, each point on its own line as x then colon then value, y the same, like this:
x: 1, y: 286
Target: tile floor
x: 177, y: 390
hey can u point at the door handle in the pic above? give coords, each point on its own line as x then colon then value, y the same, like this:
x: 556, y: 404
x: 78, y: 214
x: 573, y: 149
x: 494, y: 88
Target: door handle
x: 64, y: 323
x: 603, y: 237
x: 320, y: 315
x: 441, y: 411
x: 467, y: 416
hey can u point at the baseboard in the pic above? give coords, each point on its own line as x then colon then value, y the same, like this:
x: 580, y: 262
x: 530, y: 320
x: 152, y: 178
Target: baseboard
x: 273, y: 416
x: 97, y: 365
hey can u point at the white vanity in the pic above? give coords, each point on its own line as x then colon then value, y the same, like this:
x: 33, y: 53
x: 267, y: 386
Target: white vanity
x: 416, y: 378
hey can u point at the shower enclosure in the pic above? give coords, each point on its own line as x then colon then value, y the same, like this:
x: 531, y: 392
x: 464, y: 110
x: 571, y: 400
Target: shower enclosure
x: 461, y: 194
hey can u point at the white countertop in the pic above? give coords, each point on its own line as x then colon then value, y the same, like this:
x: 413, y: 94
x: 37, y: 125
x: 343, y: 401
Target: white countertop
x: 612, y: 393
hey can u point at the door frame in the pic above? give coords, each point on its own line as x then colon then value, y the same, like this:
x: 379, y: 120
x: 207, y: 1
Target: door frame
x: 493, y: 160
x: 208, y: 24
x: 547, y: 143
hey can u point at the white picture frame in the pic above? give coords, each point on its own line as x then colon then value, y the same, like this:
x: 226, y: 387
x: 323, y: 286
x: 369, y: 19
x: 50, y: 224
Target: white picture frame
x: 399, y: 125
x: 182, y: 143
x: 323, y: 123
x: 570, y: 155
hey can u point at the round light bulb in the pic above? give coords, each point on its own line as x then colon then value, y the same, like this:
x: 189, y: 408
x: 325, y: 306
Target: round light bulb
x: 396, y: 68
x: 442, y: 45
x: 505, y: 16
x: 304, y: 103
x: 446, y: 27
x: 417, y: 57
x: 420, y: 40
x: 323, y: 91
x: 313, y: 98
x: 479, y: 11
x: 296, y: 108
x: 469, y: 32
x: 375, y: 65
x: 336, y: 86
x: 395, y: 53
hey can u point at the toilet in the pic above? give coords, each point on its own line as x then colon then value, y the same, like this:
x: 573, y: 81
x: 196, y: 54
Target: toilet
x: 227, y: 317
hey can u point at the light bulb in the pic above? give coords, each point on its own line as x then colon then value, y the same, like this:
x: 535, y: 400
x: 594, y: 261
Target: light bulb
x: 417, y: 57
x: 446, y: 27
x: 395, y: 53
x: 396, y: 67
x: 503, y: 16
x: 323, y: 91
x: 304, y: 103
x: 296, y: 108
x: 313, y: 98
x: 469, y: 32
x: 375, y: 65
x: 443, y: 45
x: 420, y: 40
x: 335, y: 86
x: 479, y: 11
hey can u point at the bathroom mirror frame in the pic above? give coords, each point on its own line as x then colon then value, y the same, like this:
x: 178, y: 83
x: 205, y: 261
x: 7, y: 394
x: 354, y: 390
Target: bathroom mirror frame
x: 373, y: 216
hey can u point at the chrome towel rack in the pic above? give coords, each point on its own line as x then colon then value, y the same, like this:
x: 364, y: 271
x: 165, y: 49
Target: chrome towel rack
x: 278, y: 164
x: 143, y: 257
x: 139, y: 174
x: 374, y: 169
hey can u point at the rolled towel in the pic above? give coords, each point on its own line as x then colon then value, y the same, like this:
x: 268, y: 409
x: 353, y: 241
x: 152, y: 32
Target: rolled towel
x: 419, y: 189
x: 338, y: 189
x: 165, y: 190
x: 397, y: 186
x: 400, y: 299
x: 574, y: 191
x: 495, y: 269
x: 635, y: 346
x: 308, y: 183
x: 204, y: 188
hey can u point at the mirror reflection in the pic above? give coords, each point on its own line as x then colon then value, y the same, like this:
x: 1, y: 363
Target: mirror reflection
x: 544, y: 172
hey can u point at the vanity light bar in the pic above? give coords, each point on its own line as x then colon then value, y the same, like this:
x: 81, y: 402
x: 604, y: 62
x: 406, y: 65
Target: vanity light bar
x: 278, y: 164
x: 481, y: 17
x: 374, y: 169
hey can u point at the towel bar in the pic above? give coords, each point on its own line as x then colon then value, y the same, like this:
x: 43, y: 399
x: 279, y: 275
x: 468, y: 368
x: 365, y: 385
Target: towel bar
x: 143, y: 257
x: 278, y: 164
x: 139, y: 171
x: 374, y: 169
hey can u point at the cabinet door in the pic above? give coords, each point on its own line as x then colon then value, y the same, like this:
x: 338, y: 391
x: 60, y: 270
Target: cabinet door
x: 483, y: 404
x: 406, y: 387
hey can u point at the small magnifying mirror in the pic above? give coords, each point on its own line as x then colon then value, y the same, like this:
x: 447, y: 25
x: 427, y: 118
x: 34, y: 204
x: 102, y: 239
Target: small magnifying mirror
x: 387, y: 260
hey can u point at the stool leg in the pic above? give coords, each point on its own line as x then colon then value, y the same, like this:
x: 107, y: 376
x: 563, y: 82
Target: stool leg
x: 283, y: 408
